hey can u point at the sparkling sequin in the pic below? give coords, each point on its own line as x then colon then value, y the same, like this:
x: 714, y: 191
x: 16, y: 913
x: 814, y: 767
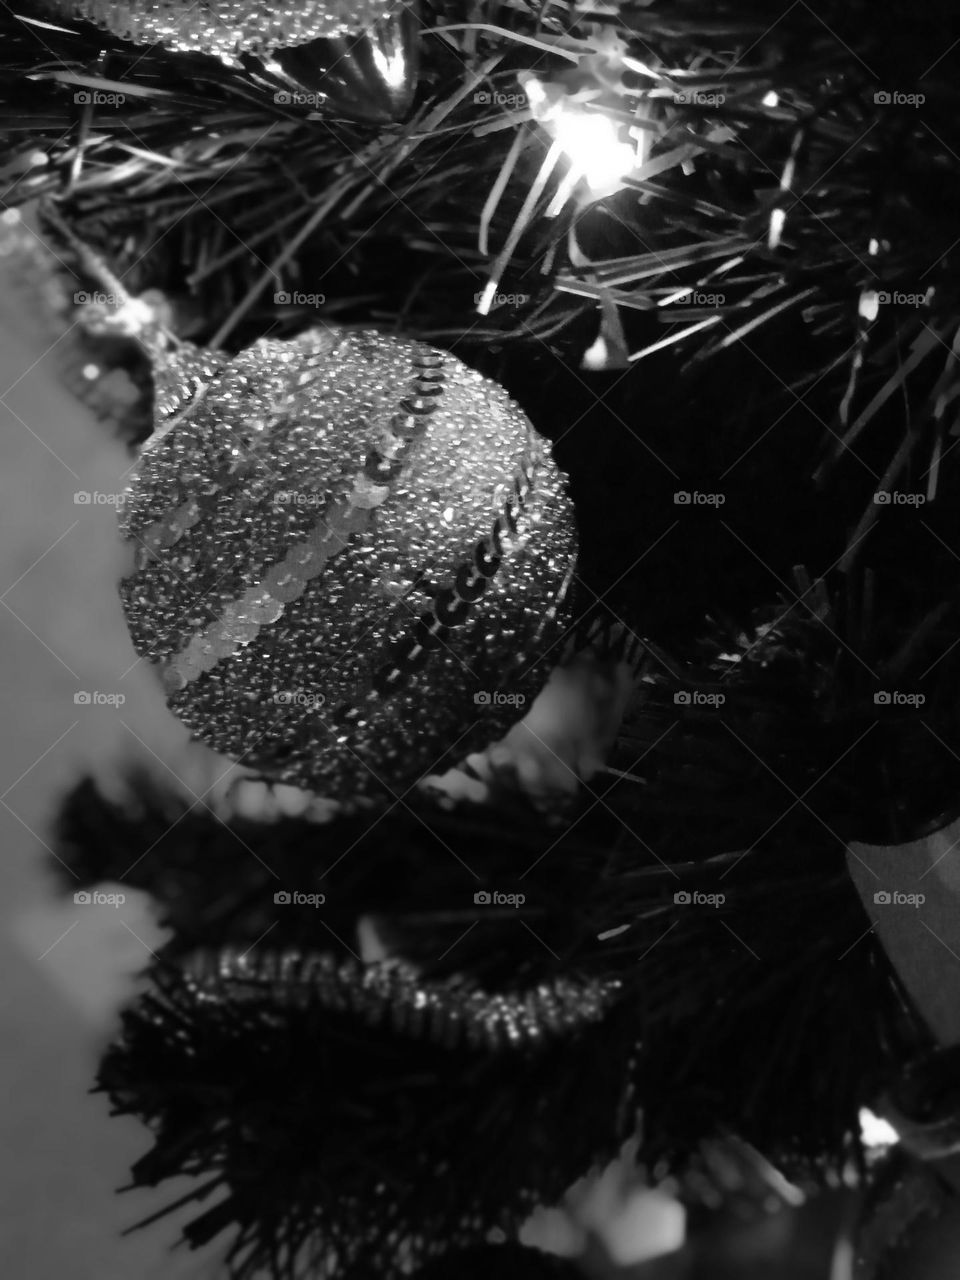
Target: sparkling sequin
x: 328, y: 628
x: 227, y: 28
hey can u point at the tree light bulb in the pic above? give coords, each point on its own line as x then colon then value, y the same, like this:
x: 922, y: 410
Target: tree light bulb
x: 590, y: 140
x: 875, y: 1131
x: 594, y: 149
x: 393, y: 66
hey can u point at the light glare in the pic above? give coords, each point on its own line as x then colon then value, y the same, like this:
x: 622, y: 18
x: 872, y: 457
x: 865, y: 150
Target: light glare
x: 875, y: 1131
x: 392, y: 68
x: 589, y: 139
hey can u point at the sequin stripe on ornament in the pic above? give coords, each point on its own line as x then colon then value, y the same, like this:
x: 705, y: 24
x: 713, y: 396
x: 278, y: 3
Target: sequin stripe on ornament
x: 182, y: 511
x: 451, y: 606
x: 286, y: 581
x: 396, y: 996
x: 227, y: 27
x: 163, y: 534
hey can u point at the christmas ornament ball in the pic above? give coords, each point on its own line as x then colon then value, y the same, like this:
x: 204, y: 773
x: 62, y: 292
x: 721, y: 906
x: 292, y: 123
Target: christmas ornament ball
x: 352, y: 560
x: 227, y: 28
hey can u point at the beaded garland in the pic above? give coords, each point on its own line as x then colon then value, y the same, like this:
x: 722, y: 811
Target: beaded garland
x: 334, y: 569
x: 394, y: 994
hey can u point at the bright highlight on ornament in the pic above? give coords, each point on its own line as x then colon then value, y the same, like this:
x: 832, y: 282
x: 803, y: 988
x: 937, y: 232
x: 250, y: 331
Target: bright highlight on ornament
x: 771, y: 99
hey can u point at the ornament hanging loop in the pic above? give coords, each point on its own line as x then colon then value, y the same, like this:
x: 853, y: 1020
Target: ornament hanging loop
x: 115, y: 311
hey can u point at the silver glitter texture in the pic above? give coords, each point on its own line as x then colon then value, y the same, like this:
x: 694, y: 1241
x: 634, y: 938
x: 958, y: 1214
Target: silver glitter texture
x: 394, y: 995
x: 227, y: 28
x: 353, y: 557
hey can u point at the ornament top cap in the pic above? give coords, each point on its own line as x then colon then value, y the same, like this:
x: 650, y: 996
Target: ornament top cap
x: 176, y: 366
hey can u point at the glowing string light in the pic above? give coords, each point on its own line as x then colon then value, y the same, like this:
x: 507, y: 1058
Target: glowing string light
x: 875, y: 1131
x: 393, y: 67
x: 589, y: 139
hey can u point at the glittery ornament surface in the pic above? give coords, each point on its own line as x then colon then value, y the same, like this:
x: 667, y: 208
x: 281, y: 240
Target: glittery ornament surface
x: 353, y: 559
x: 227, y: 28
